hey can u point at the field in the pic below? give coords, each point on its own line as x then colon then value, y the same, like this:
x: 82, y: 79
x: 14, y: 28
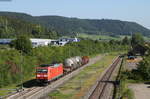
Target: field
x: 105, y: 37
x: 78, y: 86
x: 102, y: 37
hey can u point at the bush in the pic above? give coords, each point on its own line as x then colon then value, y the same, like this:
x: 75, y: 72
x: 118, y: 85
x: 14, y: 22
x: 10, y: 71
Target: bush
x: 144, y: 68
x: 22, y: 43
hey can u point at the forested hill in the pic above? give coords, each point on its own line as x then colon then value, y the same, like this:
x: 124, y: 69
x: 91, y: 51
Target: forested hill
x: 68, y: 26
x: 12, y: 27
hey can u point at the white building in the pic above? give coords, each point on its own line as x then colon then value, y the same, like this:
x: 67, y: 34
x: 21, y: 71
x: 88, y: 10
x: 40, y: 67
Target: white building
x: 44, y: 42
x: 35, y: 42
x: 63, y: 41
x: 40, y: 42
x: 5, y: 41
x: 69, y: 40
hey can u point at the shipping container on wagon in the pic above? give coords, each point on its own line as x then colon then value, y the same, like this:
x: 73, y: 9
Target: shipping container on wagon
x: 48, y: 72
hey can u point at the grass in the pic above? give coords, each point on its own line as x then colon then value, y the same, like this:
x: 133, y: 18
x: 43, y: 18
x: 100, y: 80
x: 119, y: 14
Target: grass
x: 123, y: 89
x: 11, y: 88
x: 105, y: 37
x: 146, y: 38
x: 78, y: 86
x: 128, y: 94
x: 6, y: 90
x: 97, y: 37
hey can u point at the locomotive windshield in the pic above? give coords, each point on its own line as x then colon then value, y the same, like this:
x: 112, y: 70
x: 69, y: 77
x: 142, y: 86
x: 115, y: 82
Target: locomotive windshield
x: 41, y: 70
x: 45, y: 65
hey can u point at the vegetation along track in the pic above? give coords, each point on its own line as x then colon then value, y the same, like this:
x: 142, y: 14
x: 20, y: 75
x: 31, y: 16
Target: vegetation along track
x: 38, y: 92
x: 99, y: 91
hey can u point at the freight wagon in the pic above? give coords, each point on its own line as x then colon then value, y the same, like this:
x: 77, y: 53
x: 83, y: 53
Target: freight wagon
x: 85, y: 60
x: 73, y: 63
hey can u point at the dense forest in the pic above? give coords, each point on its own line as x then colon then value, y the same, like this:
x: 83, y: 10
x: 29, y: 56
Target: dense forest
x: 13, y: 63
x: 12, y: 27
x: 72, y: 26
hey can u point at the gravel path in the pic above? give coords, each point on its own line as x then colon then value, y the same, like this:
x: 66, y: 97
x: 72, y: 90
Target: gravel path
x: 141, y: 91
x: 132, y: 64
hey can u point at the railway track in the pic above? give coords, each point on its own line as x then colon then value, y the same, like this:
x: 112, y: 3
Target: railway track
x: 100, y: 91
x: 38, y: 92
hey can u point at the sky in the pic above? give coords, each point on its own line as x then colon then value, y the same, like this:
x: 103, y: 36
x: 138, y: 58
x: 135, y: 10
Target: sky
x: 126, y: 10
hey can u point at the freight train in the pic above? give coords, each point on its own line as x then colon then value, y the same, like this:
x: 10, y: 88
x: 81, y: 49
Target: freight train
x: 45, y: 73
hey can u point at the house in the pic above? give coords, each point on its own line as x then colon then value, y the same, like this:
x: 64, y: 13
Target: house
x: 63, y: 41
x: 69, y: 40
x: 74, y: 40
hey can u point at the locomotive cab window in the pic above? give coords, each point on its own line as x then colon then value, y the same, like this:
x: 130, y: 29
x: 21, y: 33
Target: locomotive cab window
x: 42, y: 71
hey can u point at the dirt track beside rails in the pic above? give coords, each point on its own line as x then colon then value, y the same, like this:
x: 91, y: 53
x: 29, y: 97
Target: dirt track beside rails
x: 36, y: 94
x: 141, y: 91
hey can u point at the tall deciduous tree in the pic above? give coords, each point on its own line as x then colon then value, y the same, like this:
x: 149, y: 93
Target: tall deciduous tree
x: 137, y: 39
x: 137, y: 43
x: 22, y: 43
x: 126, y: 41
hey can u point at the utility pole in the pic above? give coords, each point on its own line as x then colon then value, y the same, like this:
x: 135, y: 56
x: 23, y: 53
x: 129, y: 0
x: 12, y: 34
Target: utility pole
x: 131, y: 39
x: 6, y: 23
x: 21, y: 70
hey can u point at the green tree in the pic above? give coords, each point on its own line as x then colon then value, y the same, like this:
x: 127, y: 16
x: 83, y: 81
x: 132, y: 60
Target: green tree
x: 144, y: 68
x: 52, y: 34
x: 37, y: 30
x: 126, y: 41
x: 137, y: 39
x: 22, y: 43
x: 137, y: 43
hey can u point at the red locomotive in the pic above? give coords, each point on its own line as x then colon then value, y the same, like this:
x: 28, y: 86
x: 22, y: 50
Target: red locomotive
x: 49, y: 72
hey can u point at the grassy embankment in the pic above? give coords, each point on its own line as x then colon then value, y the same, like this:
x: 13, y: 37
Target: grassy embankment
x: 5, y: 90
x: 122, y: 90
x: 80, y: 84
x: 12, y: 87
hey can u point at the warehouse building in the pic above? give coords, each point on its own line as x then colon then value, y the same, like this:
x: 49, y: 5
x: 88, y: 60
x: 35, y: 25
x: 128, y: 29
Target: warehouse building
x: 35, y: 42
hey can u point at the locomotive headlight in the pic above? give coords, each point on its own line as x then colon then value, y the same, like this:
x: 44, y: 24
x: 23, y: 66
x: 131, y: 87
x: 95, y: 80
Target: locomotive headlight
x: 45, y: 76
x: 38, y: 75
